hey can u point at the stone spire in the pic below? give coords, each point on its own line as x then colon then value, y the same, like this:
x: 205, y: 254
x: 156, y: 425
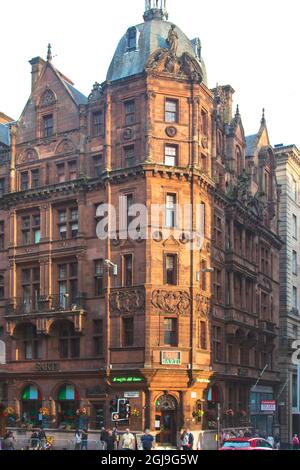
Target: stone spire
x: 49, y: 54
x: 155, y: 10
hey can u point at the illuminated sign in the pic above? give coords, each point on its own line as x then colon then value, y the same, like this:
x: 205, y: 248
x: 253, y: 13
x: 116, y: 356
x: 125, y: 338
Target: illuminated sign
x: 171, y: 358
x: 126, y: 380
x: 268, y: 405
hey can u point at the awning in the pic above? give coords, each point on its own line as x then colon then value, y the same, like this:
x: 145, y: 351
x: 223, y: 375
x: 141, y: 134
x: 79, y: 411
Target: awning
x: 31, y: 393
x: 68, y: 393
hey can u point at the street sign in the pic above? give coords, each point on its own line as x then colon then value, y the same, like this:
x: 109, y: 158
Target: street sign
x: 268, y: 405
x: 131, y: 394
x: 171, y: 358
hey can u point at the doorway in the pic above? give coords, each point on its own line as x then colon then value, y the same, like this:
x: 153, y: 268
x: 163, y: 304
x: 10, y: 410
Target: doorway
x: 166, y: 420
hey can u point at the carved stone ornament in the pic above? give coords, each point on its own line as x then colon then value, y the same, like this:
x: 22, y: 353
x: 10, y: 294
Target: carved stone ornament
x: 202, y: 306
x: 96, y: 93
x: 48, y: 98
x: 171, y: 131
x: 178, y: 302
x: 126, y: 301
x: 128, y: 134
x: 166, y: 60
x: 157, y: 236
x: 66, y: 146
x: 29, y: 155
x: 204, y: 142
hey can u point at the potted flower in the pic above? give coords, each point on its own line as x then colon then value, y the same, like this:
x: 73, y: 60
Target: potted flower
x: 135, y: 413
x: 81, y: 412
x: 198, y: 414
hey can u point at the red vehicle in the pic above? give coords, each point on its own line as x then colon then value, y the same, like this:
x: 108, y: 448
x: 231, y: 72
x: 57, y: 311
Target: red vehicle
x: 247, y: 444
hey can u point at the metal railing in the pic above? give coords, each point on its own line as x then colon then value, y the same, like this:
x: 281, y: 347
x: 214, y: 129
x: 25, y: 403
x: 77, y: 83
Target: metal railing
x: 53, y: 303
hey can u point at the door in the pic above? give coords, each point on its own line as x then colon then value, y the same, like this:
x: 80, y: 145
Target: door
x: 165, y: 423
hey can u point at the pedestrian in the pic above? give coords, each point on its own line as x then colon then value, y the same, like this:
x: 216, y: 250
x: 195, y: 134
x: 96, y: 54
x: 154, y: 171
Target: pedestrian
x: 127, y: 441
x: 296, y: 442
x: 147, y: 440
x: 277, y: 442
x: 78, y: 440
x: 248, y: 433
x: 42, y: 439
x: 191, y: 440
x: 103, y: 439
x: 34, y: 441
x: 117, y: 438
x: 271, y: 441
x: 84, y: 439
x: 184, y: 440
x: 111, y: 440
x: 8, y: 441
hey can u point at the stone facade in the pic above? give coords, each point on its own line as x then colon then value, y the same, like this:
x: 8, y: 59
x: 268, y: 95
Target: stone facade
x: 288, y: 174
x: 176, y: 330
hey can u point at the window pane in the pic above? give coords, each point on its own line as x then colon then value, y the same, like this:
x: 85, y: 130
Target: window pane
x: 171, y: 112
x: 171, y: 155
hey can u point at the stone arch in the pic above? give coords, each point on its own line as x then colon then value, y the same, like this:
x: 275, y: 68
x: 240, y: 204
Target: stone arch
x: 48, y: 98
x: 65, y: 146
x: 30, y: 154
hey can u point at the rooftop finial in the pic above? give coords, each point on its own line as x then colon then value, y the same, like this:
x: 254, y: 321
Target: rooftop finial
x: 155, y: 10
x: 237, y: 111
x: 49, y: 54
x: 263, y: 119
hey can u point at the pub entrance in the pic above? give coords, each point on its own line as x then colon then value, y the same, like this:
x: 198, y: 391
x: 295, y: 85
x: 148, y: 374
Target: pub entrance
x: 166, y: 420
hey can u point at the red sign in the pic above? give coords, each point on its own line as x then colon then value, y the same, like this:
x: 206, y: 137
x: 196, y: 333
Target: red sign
x: 268, y: 405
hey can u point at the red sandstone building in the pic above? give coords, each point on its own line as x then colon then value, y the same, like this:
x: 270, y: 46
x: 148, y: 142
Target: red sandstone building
x: 163, y: 330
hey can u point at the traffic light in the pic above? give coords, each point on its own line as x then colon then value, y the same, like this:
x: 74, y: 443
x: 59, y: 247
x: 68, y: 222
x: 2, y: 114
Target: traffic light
x: 113, y: 406
x: 122, y: 412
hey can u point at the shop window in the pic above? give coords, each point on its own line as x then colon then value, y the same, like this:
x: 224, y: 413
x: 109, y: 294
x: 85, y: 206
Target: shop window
x: 31, y: 405
x: 68, y: 402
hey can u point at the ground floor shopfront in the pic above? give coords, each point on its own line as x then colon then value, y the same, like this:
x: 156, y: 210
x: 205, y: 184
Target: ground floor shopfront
x: 165, y: 401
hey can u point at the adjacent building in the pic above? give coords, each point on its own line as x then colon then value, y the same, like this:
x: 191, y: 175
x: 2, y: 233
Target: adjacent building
x: 288, y: 175
x: 176, y: 331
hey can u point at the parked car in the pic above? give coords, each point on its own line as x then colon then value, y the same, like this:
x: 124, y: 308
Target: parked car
x: 241, y: 444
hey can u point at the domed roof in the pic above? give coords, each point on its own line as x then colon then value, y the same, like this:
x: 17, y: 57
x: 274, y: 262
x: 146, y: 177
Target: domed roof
x: 151, y: 36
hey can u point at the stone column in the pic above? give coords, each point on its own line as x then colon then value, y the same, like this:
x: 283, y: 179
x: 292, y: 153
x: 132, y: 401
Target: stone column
x: 243, y: 299
x: 46, y: 223
x: 108, y: 125
x: 231, y: 277
x: 195, y: 129
x: 232, y: 234
x: 81, y: 216
x: 13, y: 178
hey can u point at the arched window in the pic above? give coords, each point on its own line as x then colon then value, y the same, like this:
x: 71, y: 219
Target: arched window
x: 68, y: 402
x: 32, y: 403
x: 2, y: 353
x: 239, y: 161
x: 132, y: 39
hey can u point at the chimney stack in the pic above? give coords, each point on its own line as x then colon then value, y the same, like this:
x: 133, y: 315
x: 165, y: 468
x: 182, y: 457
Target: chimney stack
x: 37, y: 64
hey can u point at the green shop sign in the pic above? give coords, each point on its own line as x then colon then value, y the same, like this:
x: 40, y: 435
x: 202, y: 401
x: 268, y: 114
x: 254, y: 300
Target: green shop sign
x: 123, y: 380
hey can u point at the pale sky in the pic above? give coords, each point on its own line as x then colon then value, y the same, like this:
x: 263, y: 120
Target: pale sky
x: 253, y: 45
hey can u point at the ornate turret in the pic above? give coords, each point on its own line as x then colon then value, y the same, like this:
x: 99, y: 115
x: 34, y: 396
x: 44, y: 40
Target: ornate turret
x: 155, y: 10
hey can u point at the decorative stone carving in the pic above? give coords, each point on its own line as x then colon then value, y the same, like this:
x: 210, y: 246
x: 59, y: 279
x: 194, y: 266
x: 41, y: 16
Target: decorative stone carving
x: 29, y: 155
x: 128, y: 134
x: 171, y: 131
x: 178, y: 302
x: 48, y: 98
x: 202, y: 306
x: 172, y: 41
x: 65, y: 146
x: 96, y: 93
x: 166, y: 60
x: 127, y: 301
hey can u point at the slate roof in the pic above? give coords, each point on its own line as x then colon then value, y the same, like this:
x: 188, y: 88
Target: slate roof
x: 251, y: 141
x: 77, y: 95
x: 152, y: 35
x: 4, y: 134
